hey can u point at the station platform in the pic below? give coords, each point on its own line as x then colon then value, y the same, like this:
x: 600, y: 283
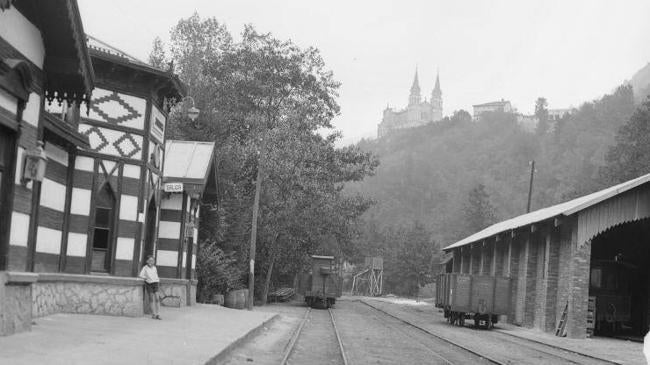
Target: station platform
x: 188, y: 335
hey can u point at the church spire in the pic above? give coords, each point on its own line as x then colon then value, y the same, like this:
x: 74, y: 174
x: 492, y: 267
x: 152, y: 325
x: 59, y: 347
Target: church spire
x: 415, y: 96
x: 436, y: 89
x: 436, y: 99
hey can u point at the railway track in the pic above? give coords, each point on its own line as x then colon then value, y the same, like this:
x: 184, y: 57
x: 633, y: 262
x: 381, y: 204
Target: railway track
x: 446, y: 340
x: 522, y: 350
x: 314, y: 329
x: 413, y: 346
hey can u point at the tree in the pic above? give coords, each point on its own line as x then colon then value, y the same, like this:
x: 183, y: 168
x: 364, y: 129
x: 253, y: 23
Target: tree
x: 266, y: 103
x: 157, y: 56
x: 630, y: 156
x: 479, y: 212
x: 541, y: 113
x: 409, y: 255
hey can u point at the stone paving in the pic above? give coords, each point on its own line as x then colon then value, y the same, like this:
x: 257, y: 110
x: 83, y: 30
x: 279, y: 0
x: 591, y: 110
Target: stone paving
x: 187, y: 335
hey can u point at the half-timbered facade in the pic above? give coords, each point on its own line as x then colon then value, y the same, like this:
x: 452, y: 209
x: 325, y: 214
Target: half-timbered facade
x: 43, y: 60
x: 82, y: 149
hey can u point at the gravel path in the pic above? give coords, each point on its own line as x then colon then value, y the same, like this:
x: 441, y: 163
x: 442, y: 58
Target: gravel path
x: 267, y: 348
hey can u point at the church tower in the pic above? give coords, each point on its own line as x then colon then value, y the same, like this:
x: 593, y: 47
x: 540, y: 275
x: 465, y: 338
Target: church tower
x: 415, y: 96
x: 436, y: 100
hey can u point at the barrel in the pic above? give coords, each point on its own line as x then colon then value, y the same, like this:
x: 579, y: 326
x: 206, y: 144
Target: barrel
x: 217, y: 299
x: 236, y: 299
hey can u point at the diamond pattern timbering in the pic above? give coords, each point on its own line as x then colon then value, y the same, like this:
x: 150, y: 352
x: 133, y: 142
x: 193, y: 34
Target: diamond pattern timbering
x: 112, y: 142
x: 113, y: 109
x: 96, y: 138
x: 116, y: 108
x: 126, y: 145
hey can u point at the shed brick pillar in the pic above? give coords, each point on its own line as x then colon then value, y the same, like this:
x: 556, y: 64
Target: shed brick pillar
x: 573, y: 278
x: 541, y: 277
x: 578, y: 301
x: 513, y: 272
x: 530, y: 275
x: 552, y: 276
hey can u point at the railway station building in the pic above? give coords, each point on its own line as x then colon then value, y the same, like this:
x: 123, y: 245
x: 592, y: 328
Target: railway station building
x: 83, y: 182
x: 578, y: 268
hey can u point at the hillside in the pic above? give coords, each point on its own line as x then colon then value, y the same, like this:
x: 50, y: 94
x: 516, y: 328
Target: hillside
x: 641, y: 83
x: 426, y: 173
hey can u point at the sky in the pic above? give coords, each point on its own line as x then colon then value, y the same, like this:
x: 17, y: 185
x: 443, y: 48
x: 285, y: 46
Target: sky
x: 566, y: 51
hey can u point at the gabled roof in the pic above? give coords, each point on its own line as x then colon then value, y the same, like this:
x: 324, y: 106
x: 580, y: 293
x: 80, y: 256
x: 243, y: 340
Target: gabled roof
x: 98, y: 45
x: 562, y: 209
x: 188, y: 162
x: 102, y: 51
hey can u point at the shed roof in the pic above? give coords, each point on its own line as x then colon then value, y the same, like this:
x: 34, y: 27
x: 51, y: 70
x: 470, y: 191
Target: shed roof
x: 188, y: 162
x: 563, y: 209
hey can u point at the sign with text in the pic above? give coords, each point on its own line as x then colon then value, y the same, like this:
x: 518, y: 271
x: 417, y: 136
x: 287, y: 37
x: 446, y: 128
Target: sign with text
x: 173, y: 187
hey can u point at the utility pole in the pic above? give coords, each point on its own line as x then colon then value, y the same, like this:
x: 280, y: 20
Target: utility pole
x: 530, y: 187
x: 256, y: 206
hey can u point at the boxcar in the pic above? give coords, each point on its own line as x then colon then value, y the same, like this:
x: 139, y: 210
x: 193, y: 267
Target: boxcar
x: 479, y: 297
x: 323, y: 284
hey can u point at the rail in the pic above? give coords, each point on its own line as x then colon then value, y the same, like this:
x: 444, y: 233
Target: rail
x: 294, y: 338
x: 492, y: 360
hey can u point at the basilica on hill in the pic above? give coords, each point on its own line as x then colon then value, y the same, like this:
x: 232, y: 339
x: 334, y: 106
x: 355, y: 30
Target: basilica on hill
x: 417, y: 112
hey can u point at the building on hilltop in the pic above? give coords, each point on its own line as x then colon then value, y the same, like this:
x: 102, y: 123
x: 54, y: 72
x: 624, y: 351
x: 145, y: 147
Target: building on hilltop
x: 502, y: 106
x: 557, y: 114
x: 417, y: 112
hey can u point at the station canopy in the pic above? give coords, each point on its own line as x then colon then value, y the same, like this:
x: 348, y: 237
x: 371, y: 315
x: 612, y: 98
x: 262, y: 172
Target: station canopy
x: 556, y: 211
x: 188, y: 163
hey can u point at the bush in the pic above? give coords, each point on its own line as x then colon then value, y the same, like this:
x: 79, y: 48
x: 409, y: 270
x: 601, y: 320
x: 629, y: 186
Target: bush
x: 217, y: 271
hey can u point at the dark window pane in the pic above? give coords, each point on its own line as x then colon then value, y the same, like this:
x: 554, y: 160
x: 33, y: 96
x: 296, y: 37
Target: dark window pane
x: 100, y: 239
x: 4, y: 146
x: 102, y: 217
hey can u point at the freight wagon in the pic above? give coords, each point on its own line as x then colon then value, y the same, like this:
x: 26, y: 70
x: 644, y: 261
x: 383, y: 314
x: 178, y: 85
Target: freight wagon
x: 323, y: 284
x: 479, y: 297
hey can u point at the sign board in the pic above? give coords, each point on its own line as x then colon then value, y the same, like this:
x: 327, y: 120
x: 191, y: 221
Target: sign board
x: 173, y: 187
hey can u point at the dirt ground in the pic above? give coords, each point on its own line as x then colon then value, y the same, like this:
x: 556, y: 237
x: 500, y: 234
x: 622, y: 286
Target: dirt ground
x: 423, y: 312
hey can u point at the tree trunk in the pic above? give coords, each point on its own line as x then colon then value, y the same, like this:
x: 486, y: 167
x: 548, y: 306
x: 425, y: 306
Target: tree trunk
x: 267, y: 282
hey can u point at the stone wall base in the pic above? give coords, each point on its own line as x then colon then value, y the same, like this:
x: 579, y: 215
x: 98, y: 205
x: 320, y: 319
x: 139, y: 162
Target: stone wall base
x: 24, y: 296
x: 87, y: 294
x: 15, y: 302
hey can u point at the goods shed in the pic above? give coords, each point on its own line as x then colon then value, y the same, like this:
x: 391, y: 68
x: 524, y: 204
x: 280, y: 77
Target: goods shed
x: 578, y: 268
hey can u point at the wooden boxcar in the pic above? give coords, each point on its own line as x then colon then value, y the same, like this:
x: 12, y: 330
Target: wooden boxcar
x: 323, y: 284
x: 479, y: 297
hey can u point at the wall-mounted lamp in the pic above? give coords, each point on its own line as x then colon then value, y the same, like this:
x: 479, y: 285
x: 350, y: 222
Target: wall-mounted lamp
x: 34, y: 164
x: 192, y: 112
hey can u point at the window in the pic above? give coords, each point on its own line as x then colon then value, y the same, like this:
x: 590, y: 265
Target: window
x: 102, y: 230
